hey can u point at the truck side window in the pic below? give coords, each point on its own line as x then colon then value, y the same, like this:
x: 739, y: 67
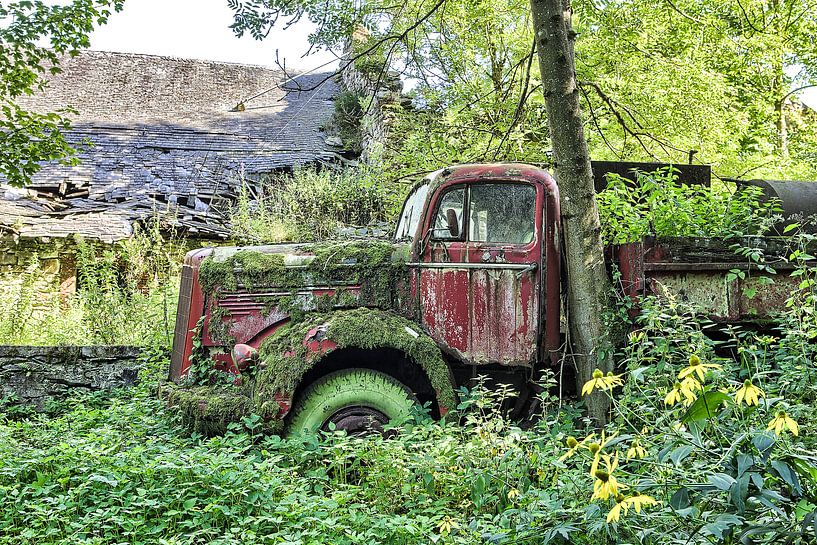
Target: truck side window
x: 502, y: 213
x: 448, y: 221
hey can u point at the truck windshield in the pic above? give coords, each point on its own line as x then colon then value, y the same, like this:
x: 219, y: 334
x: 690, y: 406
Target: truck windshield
x: 412, y: 210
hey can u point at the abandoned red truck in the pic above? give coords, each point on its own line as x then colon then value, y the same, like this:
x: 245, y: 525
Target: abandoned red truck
x: 349, y: 335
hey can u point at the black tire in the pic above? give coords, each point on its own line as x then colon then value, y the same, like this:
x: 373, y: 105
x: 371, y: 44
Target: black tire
x: 359, y: 401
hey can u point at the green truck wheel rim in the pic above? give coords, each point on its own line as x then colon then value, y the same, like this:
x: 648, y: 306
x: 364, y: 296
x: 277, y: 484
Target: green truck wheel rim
x: 357, y: 400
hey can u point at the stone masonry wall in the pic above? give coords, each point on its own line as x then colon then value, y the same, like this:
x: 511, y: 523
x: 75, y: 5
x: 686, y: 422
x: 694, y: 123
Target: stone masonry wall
x: 35, y: 374
x: 387, y: 101
x: 49, y: 264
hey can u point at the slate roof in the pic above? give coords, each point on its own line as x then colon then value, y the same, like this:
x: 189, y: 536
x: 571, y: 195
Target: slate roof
x: 166, y: 132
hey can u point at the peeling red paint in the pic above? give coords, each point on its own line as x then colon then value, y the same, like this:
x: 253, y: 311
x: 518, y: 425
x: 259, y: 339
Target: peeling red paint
x: 481, y: 300
x: 284, y: 402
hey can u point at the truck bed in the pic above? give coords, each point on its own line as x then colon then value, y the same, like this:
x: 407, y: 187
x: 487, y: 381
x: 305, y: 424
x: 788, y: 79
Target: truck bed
x: 711, y: 274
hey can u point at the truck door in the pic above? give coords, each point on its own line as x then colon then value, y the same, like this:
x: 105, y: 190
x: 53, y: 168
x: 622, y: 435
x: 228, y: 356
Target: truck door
x: 481, y: 271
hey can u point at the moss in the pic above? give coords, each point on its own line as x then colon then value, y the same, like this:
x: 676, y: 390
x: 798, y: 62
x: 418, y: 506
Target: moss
x: 346, y: 120
x: 379, y: 267
x: 210, y: 409
x: 287, y: 360
x: 371, y: 329
x: 248, y: 268
x: 219, y: 325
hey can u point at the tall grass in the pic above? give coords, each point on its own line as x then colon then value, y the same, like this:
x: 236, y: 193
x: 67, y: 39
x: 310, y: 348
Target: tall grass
x: 126, y: 294
x: 311, y: 205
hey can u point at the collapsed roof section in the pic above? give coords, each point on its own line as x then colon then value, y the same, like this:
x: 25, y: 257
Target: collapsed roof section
x: 161, y: 134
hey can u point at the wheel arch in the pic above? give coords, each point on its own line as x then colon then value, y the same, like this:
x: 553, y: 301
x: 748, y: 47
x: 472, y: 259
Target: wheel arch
x: 362, y: 338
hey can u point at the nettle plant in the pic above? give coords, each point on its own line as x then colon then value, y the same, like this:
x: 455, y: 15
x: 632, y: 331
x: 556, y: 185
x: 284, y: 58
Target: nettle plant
x: 706, y: 445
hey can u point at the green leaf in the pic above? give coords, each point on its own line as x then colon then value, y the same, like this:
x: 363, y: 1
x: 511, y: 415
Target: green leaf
x: 744, y: 462
x: 721, y: 481
x: 763, y: 441
x: 723, y: 525
x: 680, y: 500
x: 788, y: 475
x: 705, y: 407
x: 677, y: 456
x: 738, y: 493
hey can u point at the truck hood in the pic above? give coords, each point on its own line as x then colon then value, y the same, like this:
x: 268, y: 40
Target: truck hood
x: 293, y: 266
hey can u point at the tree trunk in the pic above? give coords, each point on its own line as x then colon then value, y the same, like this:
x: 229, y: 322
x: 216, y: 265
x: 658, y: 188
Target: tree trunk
x: 782, y: 129
x: 588, y: 283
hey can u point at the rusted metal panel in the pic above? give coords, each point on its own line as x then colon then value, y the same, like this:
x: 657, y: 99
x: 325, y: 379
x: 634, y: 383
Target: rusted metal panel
x: 749, y: 299
x: 444, y: 304
x: 708, y: 292
x: 251, y: 316
x: 182, y: 320
x: 195, y: 311
x: 499, y: 285
x: 754, y: 297
x: 701, y: 271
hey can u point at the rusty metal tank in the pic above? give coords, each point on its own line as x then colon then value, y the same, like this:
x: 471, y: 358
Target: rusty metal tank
x: 797, y: 199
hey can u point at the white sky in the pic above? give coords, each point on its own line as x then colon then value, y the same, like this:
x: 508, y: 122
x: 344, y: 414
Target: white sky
x: 199, y: 29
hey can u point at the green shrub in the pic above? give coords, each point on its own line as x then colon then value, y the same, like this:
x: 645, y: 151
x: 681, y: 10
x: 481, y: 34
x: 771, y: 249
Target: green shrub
x: 127, y: 294
x: 654, y: 203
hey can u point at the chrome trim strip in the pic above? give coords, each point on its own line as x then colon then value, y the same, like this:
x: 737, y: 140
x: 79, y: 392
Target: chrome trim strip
x: 506, y: 266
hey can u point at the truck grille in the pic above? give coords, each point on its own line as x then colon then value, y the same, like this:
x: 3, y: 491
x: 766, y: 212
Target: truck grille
x: 182, y: 321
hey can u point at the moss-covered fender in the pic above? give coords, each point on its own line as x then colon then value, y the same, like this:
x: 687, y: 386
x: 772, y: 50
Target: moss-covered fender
x: 294, y: 349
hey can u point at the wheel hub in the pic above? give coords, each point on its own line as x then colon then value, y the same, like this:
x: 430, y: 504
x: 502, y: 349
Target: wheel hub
x: 357, y: 420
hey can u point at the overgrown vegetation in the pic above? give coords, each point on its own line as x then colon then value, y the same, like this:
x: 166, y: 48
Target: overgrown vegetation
x: 126, y: 294
x: 346, y: 120
x: 711, y: 441
x: 120, y: 469
x: 655, y: 204
x: 312, y: 204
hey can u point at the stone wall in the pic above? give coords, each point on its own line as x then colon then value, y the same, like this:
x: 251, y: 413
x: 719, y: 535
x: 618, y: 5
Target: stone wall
x: 384, y: 88
x: 49, y: 267
x: 35, y: 374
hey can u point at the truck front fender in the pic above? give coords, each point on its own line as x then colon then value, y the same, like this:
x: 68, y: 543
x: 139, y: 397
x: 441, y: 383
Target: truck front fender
x: 288, y: 354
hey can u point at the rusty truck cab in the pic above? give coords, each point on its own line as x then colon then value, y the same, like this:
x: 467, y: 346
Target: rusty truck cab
x: 485, y: 268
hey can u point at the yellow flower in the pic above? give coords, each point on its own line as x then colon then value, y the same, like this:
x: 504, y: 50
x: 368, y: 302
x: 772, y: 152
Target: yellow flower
x: 573, y: 446
x: 638, y: 501
x: 513, y: 493
x: 615, y: 513
x: 595, y: 450
x: 697, y: 367
x: 601, y: 381
x: 674, y: 395
x: 749, y: 393
x: 783, y: 421
x: 447, y: 524
x: 623, y: 505
x: 636, y: 450
x: 606, y: 485
x: 688, y: 387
